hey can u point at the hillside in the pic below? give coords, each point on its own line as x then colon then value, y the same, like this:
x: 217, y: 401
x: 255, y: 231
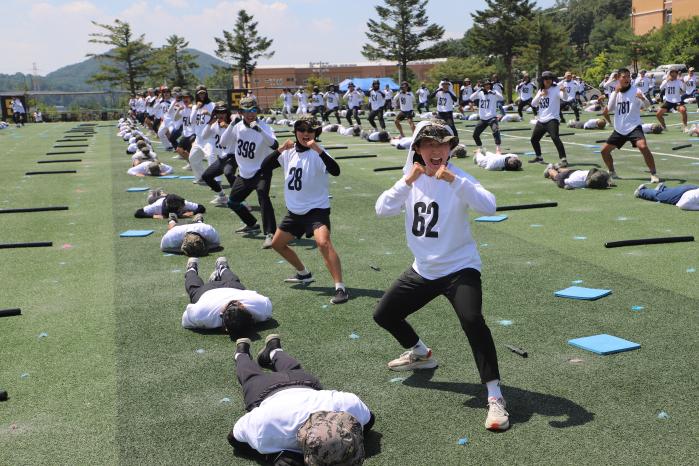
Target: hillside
x: 73, y: 77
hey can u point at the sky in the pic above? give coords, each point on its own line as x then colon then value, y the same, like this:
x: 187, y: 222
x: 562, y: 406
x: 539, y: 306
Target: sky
x: 55, y: 33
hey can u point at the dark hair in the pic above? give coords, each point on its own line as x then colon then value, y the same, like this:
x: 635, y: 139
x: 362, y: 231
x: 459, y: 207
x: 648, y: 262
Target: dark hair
x: 623, y: 70
x: 237, y: 320
x: 172, y: 204
x: 513, y: 164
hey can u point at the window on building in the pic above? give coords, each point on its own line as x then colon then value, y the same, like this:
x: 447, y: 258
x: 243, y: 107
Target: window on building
x: 668, y: 16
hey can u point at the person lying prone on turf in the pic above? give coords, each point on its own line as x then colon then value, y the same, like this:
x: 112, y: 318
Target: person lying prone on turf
x: 686, y: 197
x: 592, y: 123
x: 143, y: 154
x: 161, y: 205
x: 193, y: 239
x: 496, y: 162
x: 222, y: 302
x: 150, y: 169
x: 573, y: 179
x: 291, y: 420
x: 376, y: 136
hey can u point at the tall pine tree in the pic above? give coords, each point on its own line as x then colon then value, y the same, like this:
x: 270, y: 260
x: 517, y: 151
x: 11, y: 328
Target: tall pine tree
x: 173, y: 64
x: 126, y: 64
x: 402, y: 34
x: 500, y: 30
x: 243, y: 46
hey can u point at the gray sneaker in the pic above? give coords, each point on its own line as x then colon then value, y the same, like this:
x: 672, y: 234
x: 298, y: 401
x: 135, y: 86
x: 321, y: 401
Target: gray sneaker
x: 220, y: 265
x: 193, y: 264
x: 563, y: 163
x: 546, y: 170
x: 249, y: 230
x: 268, y: 241
x: 199, y: 218
x: 409, y: 361
x: 172, y: 217
x: 298, y: 278
x: 637, y: 193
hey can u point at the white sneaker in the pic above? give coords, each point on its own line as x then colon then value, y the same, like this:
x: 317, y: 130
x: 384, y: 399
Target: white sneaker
x: 409, y: 361
x: 498, y: 417
x: 654, y: 178
x: 187, y: 167
x: 220, y: 200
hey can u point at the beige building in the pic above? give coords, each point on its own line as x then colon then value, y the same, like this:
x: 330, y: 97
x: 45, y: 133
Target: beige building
x: 649, y: 14
x: 268, y: 81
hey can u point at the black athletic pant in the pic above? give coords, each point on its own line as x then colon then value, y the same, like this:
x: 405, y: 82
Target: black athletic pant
x: 482, y: 125
x: 353, y: 111
x: 174, y: 136
x: 222, y: 166
x: 524, y: 103
x: 196, y: 287
x: 448, y: 118
x: 550, y: 127
x: 411, y: 292
x: 320, y: 109
x: 425, y: 105
x: 326, y: 116
x: 18, y: 118
x: 242, y: 188
x: 572, y: 104
x: 373, y: 114
x: 257, y: 384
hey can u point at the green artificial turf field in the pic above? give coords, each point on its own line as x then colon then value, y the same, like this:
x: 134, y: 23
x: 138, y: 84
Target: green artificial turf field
x: 99, y: 370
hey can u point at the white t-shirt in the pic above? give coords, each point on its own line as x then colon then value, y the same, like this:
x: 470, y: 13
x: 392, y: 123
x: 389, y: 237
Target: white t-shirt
x: 214, y: 133
x: 525, y: 91
x: 647, y: 127
x: 346, y: 131
x: 673, y: 90
x: 491, y: 161
x: 690, y: 84
x: 187, y: 127
x: 440, y: 238
x: 627, y: 109
x: 317, y: 100
x: 590, y: 124
x: 305, y: 181
x: 287, y: 98
x: 487, y: 104
x: 445, y: 101
x: 272, y: 426
x: 405, y: 101
x: 156, y: 208
x: 17, y: 106
x: 140, y: 156
x: 249, y: 146
x: 643, y: 83
x: 610, y: 85
x: 549, y: 104
x: 354, y: 99
x: 423, y: 94
x: 332, y: 100
x: 172, y: 240
x: 200, y: 121
x: 302, y: 98
x: 376, y: 99
x: 571, y: 89
x: 142, y: 169
x: 577, y: 179
x: 150, y: 108
x: 689, y: 200
x: 466, y: 92
x: 206, y: 313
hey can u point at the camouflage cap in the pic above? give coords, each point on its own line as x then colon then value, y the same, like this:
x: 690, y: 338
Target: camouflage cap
x: 141, y: 144
x: 309, y: 120
x: 193, y: 245
x: 439, y: 131
x: 187, y: 92
x: 220, y: 106
x: 248, y: 103
x: 597, y: 179
x: 331, y: 437
x: 201, y: 88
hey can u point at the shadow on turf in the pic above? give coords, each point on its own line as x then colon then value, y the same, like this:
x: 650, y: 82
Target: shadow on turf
x: 596, y: 165
x: 521, y: 404
x: 329, y: 291
x: 254, y: 336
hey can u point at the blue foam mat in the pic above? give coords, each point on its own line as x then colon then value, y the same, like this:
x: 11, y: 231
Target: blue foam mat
x: 137, y: 190
x: 604, y: 344
x: 581, y: 292
x: 168, y: 177
x: 491, y: 218
x: 187, y: 177
x: 135, y: 233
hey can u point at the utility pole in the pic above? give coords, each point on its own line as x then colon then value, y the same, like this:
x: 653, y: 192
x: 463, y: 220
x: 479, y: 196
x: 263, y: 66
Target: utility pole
x: 35, y: 74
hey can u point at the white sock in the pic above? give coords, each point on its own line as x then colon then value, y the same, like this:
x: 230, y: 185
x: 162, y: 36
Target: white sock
x: 273, y: 352
x: 420, y: 349
x: 494, y: 389
x: 339, y: 285
x: 303, y: 272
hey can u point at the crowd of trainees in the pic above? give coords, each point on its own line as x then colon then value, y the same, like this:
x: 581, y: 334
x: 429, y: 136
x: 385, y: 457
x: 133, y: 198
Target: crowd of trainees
x: 286, y: 404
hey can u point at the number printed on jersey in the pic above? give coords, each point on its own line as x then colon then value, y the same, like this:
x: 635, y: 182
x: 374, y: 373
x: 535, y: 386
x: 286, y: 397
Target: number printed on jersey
x: 294, y: 178
x: 544, y: 102
x: 442, y: 101
x: 484, y: 103
x: 670, y: 91
x: 425, y: 218
x: 623, y: 107
x: 246, y: 149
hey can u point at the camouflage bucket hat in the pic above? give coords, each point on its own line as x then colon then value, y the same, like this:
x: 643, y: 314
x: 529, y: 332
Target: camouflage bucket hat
x: 310, y: 121
x: 439, y: 131
x: 193, y: 245
x: 331, y: 437
x: 597, y: 179
x: 248, y: 103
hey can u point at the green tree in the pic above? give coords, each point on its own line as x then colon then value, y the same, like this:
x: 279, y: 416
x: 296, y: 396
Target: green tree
x: 547, y: 49
x: 581, y: 16
x: 172, y: 63
x: 402, y: 33
x: 221, y: 78
x: 501, y: 29
x: 609, y: 33
x: 595, y: 73
x: 127, y: 63
x: 244, y: 46
x: 456, y: 69
x: 681, y: 42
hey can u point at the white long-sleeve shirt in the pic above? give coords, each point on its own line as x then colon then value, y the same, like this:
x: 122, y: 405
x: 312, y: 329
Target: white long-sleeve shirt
x: 436, y: 220
x: 354, y: 99
x: 690, y: 84
x: 525, y: 90
x: 423, y: 94
x: 643, y: 83
x: 200, y: 120
x: 549, y: 103
x: 487, y: 103
x: 250, y: 146
x: 214, y: 132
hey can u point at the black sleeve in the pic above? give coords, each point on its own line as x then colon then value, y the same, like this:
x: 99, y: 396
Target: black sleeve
x: 275, y: 146
x: 453, y: 97
x: 270, y: 162
x: 141, y: 214
x: 369, y: 424
x: 434, y: 94
x: 330, y: 164
x: 242, y: 448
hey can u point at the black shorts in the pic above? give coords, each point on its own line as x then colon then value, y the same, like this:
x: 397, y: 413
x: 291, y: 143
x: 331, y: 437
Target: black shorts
x: 618, y: 140
x: 407, y: 114
x: 561, y: 177
x: 671, y: 105
x: 298, y: 225
x: 186, y: 142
